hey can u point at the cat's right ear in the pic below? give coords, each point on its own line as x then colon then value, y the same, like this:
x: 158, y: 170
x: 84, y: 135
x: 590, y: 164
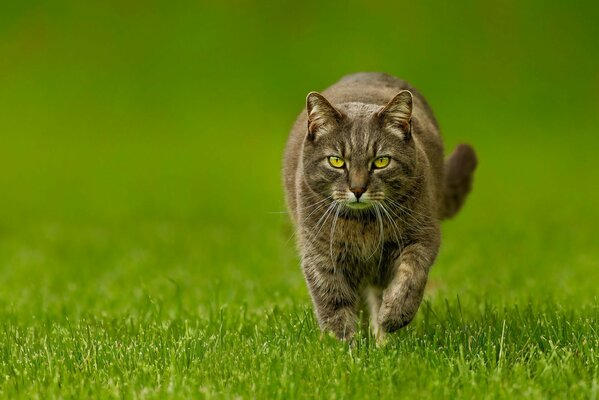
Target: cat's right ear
x: 397, y: 114
x: 322, y: 116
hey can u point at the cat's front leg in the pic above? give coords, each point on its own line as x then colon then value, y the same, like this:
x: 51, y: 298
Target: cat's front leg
x: 335, y: 300
x: 403, y: 295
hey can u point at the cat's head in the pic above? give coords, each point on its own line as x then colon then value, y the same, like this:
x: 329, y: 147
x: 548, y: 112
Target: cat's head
x: 359, y: 154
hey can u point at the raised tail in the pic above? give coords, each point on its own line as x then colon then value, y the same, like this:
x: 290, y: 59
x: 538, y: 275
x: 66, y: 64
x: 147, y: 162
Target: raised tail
x: 459, y: 173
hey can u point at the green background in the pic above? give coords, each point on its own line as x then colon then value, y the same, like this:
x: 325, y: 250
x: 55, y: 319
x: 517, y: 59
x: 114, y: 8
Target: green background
x: 143, y: 248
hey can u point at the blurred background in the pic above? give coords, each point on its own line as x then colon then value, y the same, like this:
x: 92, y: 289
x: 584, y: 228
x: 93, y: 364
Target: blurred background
x: 141, y: 144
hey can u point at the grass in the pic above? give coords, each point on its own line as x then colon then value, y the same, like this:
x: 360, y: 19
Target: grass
x: 142, y: 249
x: 233, y: 351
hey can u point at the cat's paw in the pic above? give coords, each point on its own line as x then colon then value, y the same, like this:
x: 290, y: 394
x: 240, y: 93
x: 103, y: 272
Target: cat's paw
x: 381, y: 339
x: 398, y: 308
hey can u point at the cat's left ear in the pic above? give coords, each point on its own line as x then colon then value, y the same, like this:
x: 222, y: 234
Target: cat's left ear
x: 397, y: 114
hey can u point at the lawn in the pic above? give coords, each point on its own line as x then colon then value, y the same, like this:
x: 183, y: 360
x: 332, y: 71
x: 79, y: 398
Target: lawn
x: 144, y: 248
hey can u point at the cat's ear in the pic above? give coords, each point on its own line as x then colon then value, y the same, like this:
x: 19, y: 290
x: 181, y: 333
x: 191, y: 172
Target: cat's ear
x: 322, y: 116
x: 397, y: 114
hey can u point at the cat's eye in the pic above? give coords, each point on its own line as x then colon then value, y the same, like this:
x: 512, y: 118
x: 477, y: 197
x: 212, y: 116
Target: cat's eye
x: 336, y: 162
x: 381, y: 162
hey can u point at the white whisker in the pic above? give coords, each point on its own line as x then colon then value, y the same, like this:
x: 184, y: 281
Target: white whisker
x: 396, y: 230
x: 382, y: 236
x: 379, y: 220
x: 320, y: 207
x: 333, y: 236
x: 319, y: 225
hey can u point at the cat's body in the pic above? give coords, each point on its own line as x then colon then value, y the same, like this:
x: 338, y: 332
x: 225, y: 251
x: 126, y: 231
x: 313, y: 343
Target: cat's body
x: 372, y: 140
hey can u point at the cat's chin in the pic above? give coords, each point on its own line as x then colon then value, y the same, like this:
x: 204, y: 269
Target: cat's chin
x: 358, y: 206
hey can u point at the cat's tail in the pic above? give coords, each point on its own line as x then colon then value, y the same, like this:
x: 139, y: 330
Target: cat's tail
x: 459, y: 173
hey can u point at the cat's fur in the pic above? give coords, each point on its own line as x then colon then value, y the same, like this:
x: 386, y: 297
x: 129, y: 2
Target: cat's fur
x: 377, y: 257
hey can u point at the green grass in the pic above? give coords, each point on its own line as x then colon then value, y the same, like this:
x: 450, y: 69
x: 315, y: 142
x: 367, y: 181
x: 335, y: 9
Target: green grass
x: 142, y: 249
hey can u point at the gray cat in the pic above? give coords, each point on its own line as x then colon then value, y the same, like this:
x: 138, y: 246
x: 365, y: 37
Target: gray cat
x: 366, y: 186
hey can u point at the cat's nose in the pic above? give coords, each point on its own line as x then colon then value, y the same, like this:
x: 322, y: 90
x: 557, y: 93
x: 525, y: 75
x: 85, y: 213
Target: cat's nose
x: 358, y: 181
x: 358, y: 191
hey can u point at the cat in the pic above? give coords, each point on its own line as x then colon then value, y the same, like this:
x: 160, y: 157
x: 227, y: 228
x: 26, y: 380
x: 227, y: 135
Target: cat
x: 366, y: 186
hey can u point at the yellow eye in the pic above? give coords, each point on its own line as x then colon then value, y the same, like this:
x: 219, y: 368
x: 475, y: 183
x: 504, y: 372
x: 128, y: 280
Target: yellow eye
x: 381, y: 162
x: 336, y: 162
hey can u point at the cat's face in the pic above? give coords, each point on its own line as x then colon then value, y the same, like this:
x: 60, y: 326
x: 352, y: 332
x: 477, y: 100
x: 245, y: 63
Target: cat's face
x: 359, y: 155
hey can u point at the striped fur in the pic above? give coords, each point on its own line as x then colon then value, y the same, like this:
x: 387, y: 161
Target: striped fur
x: 374, y: 251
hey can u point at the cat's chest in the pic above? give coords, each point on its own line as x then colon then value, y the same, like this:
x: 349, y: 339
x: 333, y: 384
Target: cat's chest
x: 359, y: 240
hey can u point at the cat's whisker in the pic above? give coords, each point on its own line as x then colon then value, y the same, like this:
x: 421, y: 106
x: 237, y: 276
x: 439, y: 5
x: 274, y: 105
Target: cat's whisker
x: 315, y: 204
x: 406, y: 211
x: 382, y: 235
x: 409, y: 212
x: 403, y: 220
x: 411, y: 197
x: 380, y: 221
x: 321, y: 206
x: 332, y: 236
x: 397, y: 216
x: 419, y: 218
x: 319, y: 225
x: 394, y: 227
